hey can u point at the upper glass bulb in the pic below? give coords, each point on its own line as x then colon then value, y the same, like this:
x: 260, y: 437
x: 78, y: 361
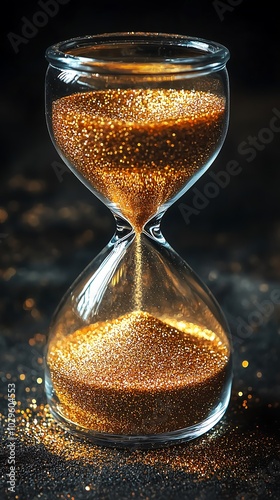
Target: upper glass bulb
x: 138, y: 117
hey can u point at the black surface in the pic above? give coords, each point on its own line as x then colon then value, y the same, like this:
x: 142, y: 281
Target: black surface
x: 51, y: 227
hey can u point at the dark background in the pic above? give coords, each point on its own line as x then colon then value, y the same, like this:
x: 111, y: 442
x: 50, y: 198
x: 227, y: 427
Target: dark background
x: 251, y: 200
x: 51, y: 226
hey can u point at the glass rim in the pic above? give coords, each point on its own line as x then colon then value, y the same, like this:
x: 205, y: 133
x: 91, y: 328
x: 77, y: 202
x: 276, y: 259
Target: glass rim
x: 206, y: 55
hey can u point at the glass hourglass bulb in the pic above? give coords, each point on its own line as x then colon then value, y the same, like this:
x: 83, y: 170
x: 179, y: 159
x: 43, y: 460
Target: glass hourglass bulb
x: 139, y: 351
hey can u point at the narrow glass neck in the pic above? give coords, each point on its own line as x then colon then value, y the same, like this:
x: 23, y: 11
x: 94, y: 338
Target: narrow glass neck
x: 123, y: 229
x: 152, y: 229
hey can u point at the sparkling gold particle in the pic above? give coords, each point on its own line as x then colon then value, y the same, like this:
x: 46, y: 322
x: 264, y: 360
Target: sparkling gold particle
x: 263, y: 287
x: 3, y: 215
x: 137, y: 375
x: 22, y: 376
x: 245, y: 363
x: 35, y: 313
x: 119, y: 140
x: 9, y: 273
x: 38, y: 338
x: 39, y: 380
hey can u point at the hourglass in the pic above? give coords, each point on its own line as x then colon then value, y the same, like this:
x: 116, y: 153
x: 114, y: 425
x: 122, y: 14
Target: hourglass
x: 139, y: 351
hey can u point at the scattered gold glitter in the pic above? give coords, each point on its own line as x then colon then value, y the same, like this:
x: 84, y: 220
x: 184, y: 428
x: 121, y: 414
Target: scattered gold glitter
x: 244, y: 404
x: 226, y: 452
x: 245, y: 363
x: 137, y: 375
x: 138, y: 147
